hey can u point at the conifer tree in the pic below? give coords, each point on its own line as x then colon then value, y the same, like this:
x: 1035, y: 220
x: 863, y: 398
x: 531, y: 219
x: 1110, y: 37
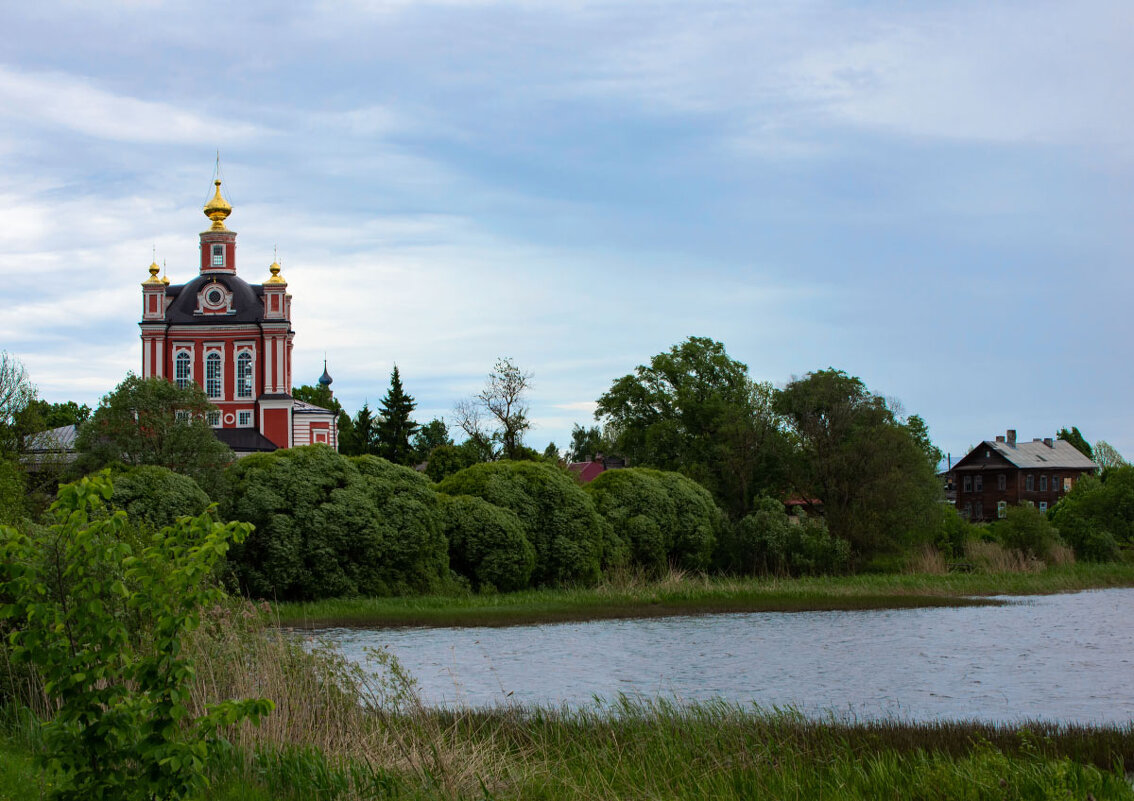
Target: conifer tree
x: 394, y: 424
x: 360, y: 439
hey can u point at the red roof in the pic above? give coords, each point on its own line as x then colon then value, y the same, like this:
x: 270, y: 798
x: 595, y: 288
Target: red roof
x: 586, y: 471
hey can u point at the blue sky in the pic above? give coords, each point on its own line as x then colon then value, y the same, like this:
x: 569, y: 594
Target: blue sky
x: 934, y: 197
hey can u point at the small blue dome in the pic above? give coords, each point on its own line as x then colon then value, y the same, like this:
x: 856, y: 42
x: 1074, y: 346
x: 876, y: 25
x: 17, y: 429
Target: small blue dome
x: 325, y: 379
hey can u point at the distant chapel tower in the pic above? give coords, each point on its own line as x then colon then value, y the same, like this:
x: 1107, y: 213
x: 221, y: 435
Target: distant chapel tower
x: 233, y: 339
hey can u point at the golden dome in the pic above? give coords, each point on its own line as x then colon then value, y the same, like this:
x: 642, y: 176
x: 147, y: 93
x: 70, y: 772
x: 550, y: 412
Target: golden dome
x: 154, y: 270
x: 217, y: 209
x: 276, y: 277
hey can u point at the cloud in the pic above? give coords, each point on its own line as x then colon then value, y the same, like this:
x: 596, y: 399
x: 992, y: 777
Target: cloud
x: 66, y: 101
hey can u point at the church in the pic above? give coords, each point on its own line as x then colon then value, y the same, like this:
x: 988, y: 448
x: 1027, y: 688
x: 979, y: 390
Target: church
x: 233, y: 339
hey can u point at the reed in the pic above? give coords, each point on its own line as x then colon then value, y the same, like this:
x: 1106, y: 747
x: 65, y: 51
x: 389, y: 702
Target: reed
x: 999, y: 572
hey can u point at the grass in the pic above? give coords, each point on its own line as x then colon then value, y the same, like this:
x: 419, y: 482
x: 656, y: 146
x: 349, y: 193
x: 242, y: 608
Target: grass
x: 680, y: 594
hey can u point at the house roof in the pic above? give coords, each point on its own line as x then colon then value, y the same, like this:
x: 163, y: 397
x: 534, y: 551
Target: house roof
x: 244, y: 440
x: 303, y: 407
x: 53, y: 440
x: 1036, y: 454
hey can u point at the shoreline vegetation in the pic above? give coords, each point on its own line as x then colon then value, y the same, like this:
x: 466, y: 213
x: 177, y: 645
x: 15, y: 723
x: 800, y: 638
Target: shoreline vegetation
x: 343, y: 733
x: 691, y: 594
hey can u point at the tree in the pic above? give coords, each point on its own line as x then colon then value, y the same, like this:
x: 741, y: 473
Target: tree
x: 16, y: 392
x: 153, y: 421
x: 1097, y: 516
x: 394, y: 424
x: 44, y: 416
x: 587, y: 442
x: 320, y: 396
x: 1107, y: 456
x: 1076, y: 439
x: 694, y: 410
x: 487, y: 544
x: 361, y: 436
x: 551, y: 453
x: 872, y: 474
x: 104, y: 625
x: 502, y: 404
x: 429, y: 436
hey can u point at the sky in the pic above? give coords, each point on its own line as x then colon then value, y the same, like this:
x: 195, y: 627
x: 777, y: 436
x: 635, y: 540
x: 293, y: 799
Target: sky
x: 934, y: 197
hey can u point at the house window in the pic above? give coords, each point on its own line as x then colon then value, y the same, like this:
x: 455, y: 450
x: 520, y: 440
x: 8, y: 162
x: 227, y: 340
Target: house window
x: 244, y: 419
x: 244, y: 375
x: 978, y: 483
x: 1030, y: 483
x: 968, y: 483
x: 978, y: 511
x: 214, y: 419
x: 1002, y: 482
x: 1043, y: 483
x: 1043, y: 506
x: 213, y: 375
x: 182, y: 416
x: 1055, y: 483
x: 218, y: 255
x: 1002, y: 509
x: 182, y: 372
x: 1067, y: 483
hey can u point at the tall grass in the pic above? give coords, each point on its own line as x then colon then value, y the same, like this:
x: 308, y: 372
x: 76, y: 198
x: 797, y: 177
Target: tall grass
x: 343, y: 733
x: 630, y: 595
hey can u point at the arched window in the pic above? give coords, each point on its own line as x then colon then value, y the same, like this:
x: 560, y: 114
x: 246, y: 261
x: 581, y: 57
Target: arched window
x: 244, y: 375
x: 182, y: 373
x: 213, y: 375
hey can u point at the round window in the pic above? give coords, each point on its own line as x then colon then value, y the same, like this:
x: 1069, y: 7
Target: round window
x: 214, y: 296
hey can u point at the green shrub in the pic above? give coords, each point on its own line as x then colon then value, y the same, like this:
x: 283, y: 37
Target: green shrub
x: 104, y: 626
x: 11, y: 492
x: 768, y: 541
x: 1097, y: 517
x: 445, y: 460
x: 664, y: 517
x: 572, y: 541
x: 487, y: 544
x: 1027, y: 530
x: 157, y: 496
x: 328, y: 525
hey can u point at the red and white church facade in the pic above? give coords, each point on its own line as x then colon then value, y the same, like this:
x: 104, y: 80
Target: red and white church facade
x: 234, y: 340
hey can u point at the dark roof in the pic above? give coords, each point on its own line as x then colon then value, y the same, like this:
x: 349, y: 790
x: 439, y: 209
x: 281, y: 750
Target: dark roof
x: 244, y: 440
x: 246, y: 301
x: 1060, y: 455
x: 303, y: 407
x: 55, y: 440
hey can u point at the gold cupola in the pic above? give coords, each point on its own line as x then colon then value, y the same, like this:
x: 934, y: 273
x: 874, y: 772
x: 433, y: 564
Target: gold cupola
x: 275, y: 271
x: 154, y: 270
x: 218, y: 209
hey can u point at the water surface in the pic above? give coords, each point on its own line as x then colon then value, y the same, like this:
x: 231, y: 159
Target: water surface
x: 1058, y: 657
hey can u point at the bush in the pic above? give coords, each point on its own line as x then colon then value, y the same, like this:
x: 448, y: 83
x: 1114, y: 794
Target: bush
x: 1027, y: 530
x: 328, y: 525
x: 1097, y: 517
x: 445, y: 460
x: 487, y: 544
x: 157, y: 496
x: 664, y: 517
x: 768, y: 541
x: 11, y: 492
x: 572, y: 541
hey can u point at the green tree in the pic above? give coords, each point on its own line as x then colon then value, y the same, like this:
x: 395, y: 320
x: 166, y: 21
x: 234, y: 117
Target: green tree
x: 487, y: 544
x: 156, y: 496
x: 498, y: 414
x: 46, y: 416
x: 695, y: 411
x: 104, y: 627
x: 395, y: 426
x: 572, y: 541
x: 665, y: 518
x: 429, y: 436
x: 152, y: 421
x: 16, y: 393
x: 362, y: 436
x: 1107, y: 456
x: 320, y: 396
x: 1096, y: 517
x: 1076, y: 439
x: 551, y: 453
x: 445, y: 460
x: 329, y: 525
x: 587, y: 442
x: 871, y: 472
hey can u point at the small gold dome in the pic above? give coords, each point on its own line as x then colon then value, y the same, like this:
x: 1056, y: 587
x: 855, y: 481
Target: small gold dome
x: 275, y: 271
x: 217, y: 209
x: 154, y: 270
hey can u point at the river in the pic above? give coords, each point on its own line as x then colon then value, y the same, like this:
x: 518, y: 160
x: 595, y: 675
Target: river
x: 1064, y: 657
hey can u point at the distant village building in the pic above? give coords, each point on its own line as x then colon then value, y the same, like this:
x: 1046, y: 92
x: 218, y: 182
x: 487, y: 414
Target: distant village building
x: 995, y: 475
x: 234, y: 340
x: 589, y: 470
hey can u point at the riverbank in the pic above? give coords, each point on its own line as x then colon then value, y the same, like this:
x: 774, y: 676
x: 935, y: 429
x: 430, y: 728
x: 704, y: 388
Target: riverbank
x: 690, y: 594
x: 643, y: 750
